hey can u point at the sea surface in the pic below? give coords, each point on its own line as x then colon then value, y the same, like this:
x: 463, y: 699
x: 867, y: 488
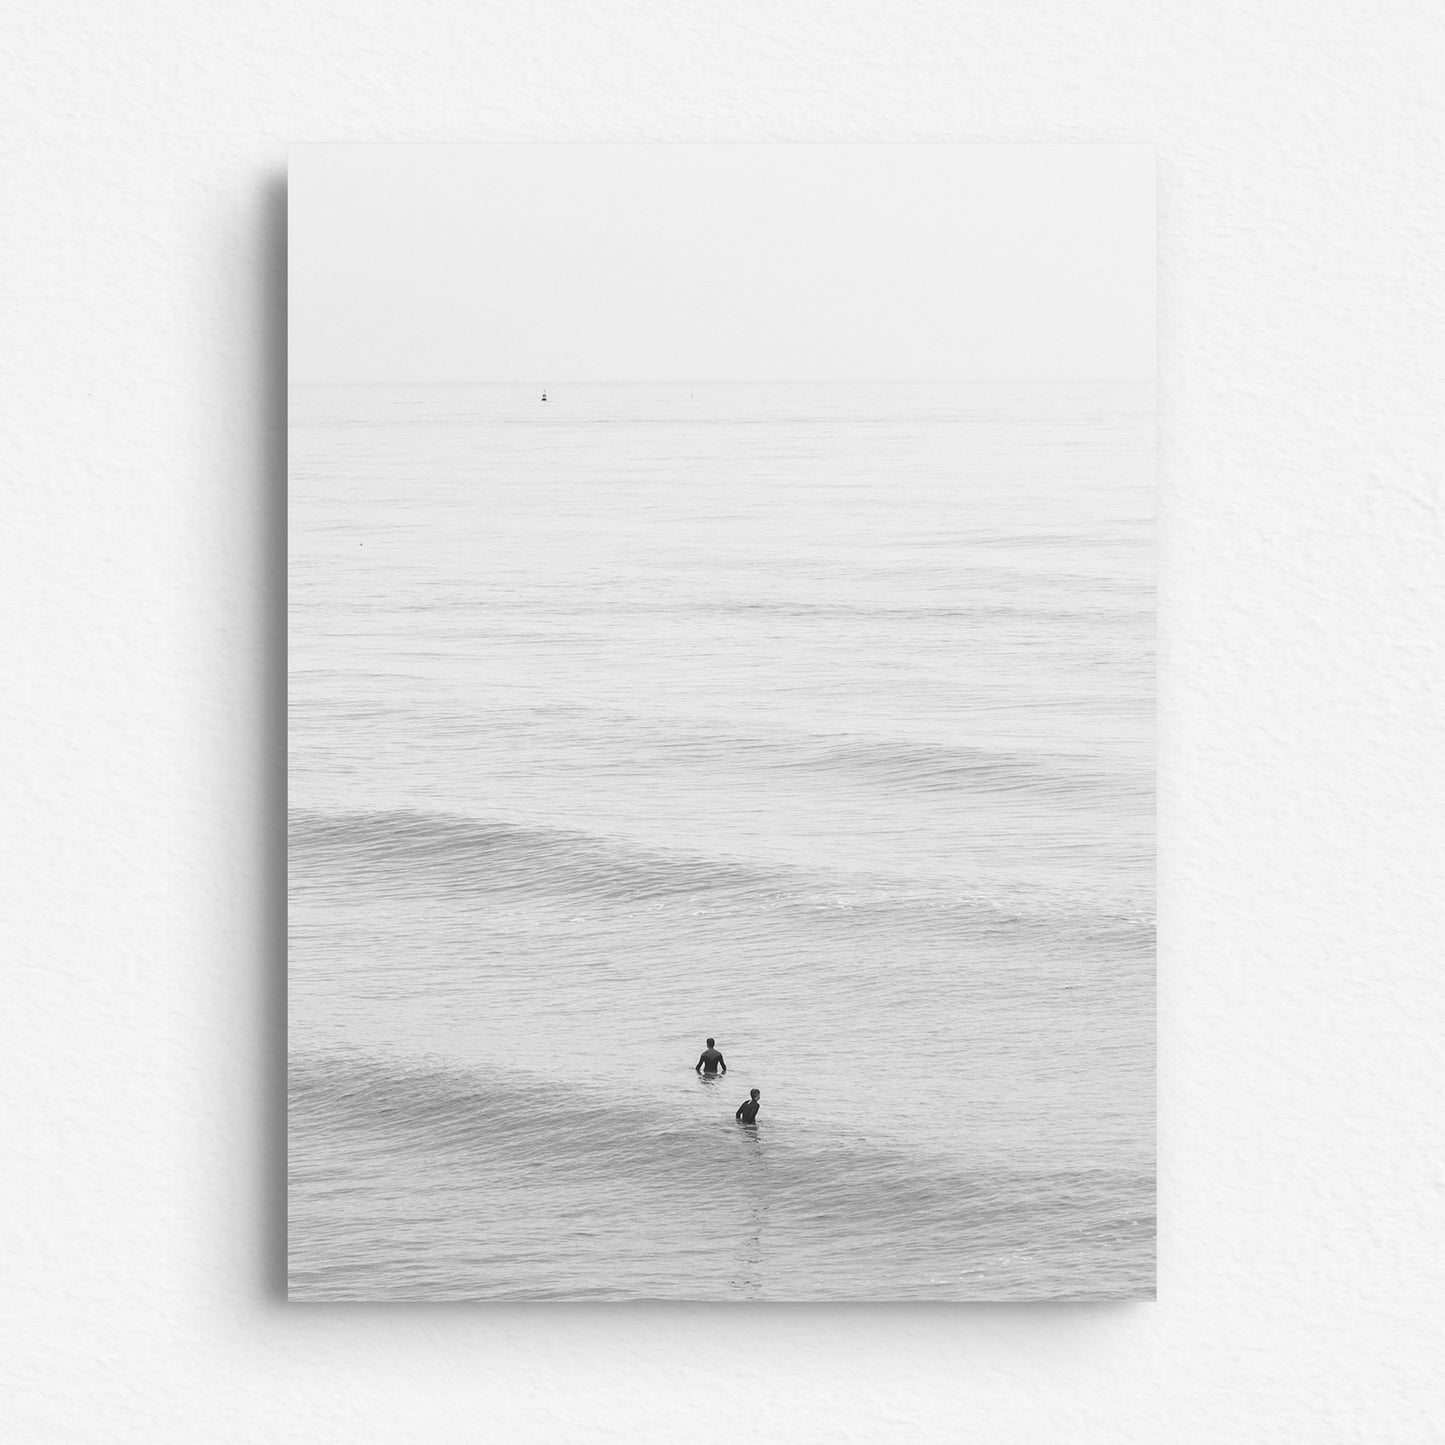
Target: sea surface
x: 818, y: 719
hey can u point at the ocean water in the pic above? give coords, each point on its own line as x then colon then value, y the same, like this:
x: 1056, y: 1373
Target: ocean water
x: 818, y: 719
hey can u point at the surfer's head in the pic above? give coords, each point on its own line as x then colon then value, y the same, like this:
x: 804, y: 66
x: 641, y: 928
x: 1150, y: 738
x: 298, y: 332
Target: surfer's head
x: 711, y: 1042
x: 756, y: 1093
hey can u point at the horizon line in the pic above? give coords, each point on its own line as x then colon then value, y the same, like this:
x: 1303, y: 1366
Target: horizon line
x: 749, y: 381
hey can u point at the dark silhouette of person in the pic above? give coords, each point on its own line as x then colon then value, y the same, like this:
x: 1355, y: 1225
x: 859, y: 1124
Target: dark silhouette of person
x: 710, y: 1062
x: 748, y: 1109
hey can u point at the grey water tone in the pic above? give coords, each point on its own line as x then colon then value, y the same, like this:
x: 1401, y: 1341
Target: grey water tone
x: 817, y: 719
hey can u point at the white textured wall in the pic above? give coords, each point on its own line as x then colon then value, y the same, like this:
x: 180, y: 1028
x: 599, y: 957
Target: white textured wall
x: 1301, y: 1269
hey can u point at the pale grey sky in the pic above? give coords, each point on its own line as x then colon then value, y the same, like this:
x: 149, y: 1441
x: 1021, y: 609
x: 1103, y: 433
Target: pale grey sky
x: 553, y: 263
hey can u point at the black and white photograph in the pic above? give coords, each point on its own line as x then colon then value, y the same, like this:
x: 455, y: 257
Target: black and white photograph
x: 721, y: 805
x: 722, y: 719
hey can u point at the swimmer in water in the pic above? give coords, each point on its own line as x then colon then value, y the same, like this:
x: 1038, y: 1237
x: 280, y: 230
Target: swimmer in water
x: 711, y: 1061
x: 748, y: 1109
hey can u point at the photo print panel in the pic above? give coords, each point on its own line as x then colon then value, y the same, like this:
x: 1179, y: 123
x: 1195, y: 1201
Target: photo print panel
x: 721, y: 773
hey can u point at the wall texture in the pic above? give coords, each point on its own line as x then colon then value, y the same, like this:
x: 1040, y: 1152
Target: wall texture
x: 1301, y: 1002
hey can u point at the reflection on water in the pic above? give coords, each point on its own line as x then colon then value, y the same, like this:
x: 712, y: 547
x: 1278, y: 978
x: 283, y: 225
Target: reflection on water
x: 749, y: 1279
